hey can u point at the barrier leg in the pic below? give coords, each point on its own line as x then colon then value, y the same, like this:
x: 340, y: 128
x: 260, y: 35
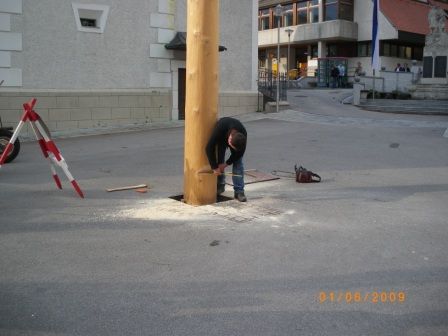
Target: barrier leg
x: 61, y: 163
x: 44, y: 149
x: 11, y: 143
x: 56, y: 156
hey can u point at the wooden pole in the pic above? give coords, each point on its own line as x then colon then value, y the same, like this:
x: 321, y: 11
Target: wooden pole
x: 201, y: 105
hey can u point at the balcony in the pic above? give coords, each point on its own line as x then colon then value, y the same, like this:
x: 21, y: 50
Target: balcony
x: 311, y: 33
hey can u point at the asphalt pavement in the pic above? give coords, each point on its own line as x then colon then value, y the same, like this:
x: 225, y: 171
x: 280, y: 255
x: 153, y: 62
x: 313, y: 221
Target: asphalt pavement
x: 364, y: 252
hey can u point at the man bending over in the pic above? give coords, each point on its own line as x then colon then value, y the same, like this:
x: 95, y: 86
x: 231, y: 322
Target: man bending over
x: 228, y: 133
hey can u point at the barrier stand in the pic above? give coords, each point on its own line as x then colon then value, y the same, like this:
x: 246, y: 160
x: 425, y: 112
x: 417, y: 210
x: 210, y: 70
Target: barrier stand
x: 48, y: 147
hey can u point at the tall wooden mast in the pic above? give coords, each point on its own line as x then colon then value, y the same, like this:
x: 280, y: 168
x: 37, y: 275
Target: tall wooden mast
x: 201, y: 105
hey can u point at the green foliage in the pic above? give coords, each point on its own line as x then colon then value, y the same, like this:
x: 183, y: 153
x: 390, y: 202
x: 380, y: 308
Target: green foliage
x: 389, y: 95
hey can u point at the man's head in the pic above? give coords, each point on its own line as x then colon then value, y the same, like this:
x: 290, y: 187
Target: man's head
x: 237, y: 141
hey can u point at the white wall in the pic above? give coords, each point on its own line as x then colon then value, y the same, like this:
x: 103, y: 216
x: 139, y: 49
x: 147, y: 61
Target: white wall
x: 363, y: 15
x: 389, y: 81
x: 57, y: 56
x: 236, y: 23
x: 10, y: 43
x: 127, y: 55
x: 254, y: 45
x: 237, y: 70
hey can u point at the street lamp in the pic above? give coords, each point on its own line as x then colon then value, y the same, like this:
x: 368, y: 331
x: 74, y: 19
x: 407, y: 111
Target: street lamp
x: 289, y: 31
x: 278, y: 12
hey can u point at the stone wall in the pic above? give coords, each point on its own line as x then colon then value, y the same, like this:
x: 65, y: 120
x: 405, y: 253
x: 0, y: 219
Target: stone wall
x: 72, y: 112
x: 236, y: 103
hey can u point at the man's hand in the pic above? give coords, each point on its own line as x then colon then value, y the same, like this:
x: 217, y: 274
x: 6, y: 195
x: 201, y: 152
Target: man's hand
x: 220, y: 169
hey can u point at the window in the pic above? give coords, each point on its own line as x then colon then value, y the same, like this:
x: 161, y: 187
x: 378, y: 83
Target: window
x: 90, y: 18
x: 364, y: 49
x: 314, y: 51
x: 331, y: 10
x: 418, y: 53
x: 386, y: 49
x: 338, y: 10
x: 262, y: 59
x: 408, y: 52
x: 404, y: 52
x: 277, y: 21
x: 263, y: 19
x: 314, y: 14
x: 307, y: 11
x: 287, y: 15
x: 393, y: 50
x: 88, y: 22
x: 332, y: 50
x: 346, y: 10
x: 302, y: 12
x: 344, y: 49
x: 347, y: 49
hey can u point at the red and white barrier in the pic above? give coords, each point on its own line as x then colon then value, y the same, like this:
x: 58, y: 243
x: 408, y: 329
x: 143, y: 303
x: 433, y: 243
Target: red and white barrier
x: 48, y: 147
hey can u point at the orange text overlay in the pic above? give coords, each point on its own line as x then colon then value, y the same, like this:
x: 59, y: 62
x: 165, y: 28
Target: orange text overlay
x: 363, y: 297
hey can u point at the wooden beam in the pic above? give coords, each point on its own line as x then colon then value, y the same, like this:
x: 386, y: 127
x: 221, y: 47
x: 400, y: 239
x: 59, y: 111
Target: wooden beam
x: 201, y: 105
x: 128, y: 188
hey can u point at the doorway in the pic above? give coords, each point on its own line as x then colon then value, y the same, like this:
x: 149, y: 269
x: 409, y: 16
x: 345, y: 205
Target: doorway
x: 181, y: 87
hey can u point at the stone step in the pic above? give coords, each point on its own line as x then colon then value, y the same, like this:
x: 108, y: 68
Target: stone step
x: 406, y: 103
x: 410, y: 106
x: 431, y: 91
x: 272, y: 106
x: 406, y: 110
x: 432, y: 85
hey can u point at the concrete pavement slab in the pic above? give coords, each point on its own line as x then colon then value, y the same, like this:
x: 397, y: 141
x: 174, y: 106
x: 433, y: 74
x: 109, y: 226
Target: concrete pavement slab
x: 127, y: 263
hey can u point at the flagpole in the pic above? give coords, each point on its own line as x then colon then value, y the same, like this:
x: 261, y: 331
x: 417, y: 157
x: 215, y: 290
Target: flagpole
x: 375, y: 57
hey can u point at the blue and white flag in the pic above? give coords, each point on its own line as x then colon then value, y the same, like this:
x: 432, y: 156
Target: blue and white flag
x: 375, y: 37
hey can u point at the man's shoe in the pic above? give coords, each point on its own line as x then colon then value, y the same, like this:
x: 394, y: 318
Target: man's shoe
x: 240, y: 196
x: 221, y: 188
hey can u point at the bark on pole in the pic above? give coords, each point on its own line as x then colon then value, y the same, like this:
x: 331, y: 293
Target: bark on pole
x: 201, y: 104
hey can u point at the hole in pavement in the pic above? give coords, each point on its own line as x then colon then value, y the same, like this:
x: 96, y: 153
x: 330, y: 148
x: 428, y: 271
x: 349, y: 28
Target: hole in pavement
x: 219, y: 198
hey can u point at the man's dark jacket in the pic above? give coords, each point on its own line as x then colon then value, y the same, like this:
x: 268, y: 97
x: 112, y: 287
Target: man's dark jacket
x: 219, y: 139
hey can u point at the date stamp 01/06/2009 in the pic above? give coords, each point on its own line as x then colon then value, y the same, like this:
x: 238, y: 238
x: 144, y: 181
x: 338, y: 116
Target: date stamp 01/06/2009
x: 362, y: 297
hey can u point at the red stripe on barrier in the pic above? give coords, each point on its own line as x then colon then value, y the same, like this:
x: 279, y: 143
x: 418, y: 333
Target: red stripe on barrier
x: 58, y: 181
x: 29, y: 105
x: 52, y: 148
x: 5, y: 153
x: 32, y: 102
x: 43, y: 147
x: 33, y: 116
x: 77, y: 188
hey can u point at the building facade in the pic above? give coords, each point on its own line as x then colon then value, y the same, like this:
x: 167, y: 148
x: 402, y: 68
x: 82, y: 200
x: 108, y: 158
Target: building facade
x: 102, y: 63
x: 342, y: 28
